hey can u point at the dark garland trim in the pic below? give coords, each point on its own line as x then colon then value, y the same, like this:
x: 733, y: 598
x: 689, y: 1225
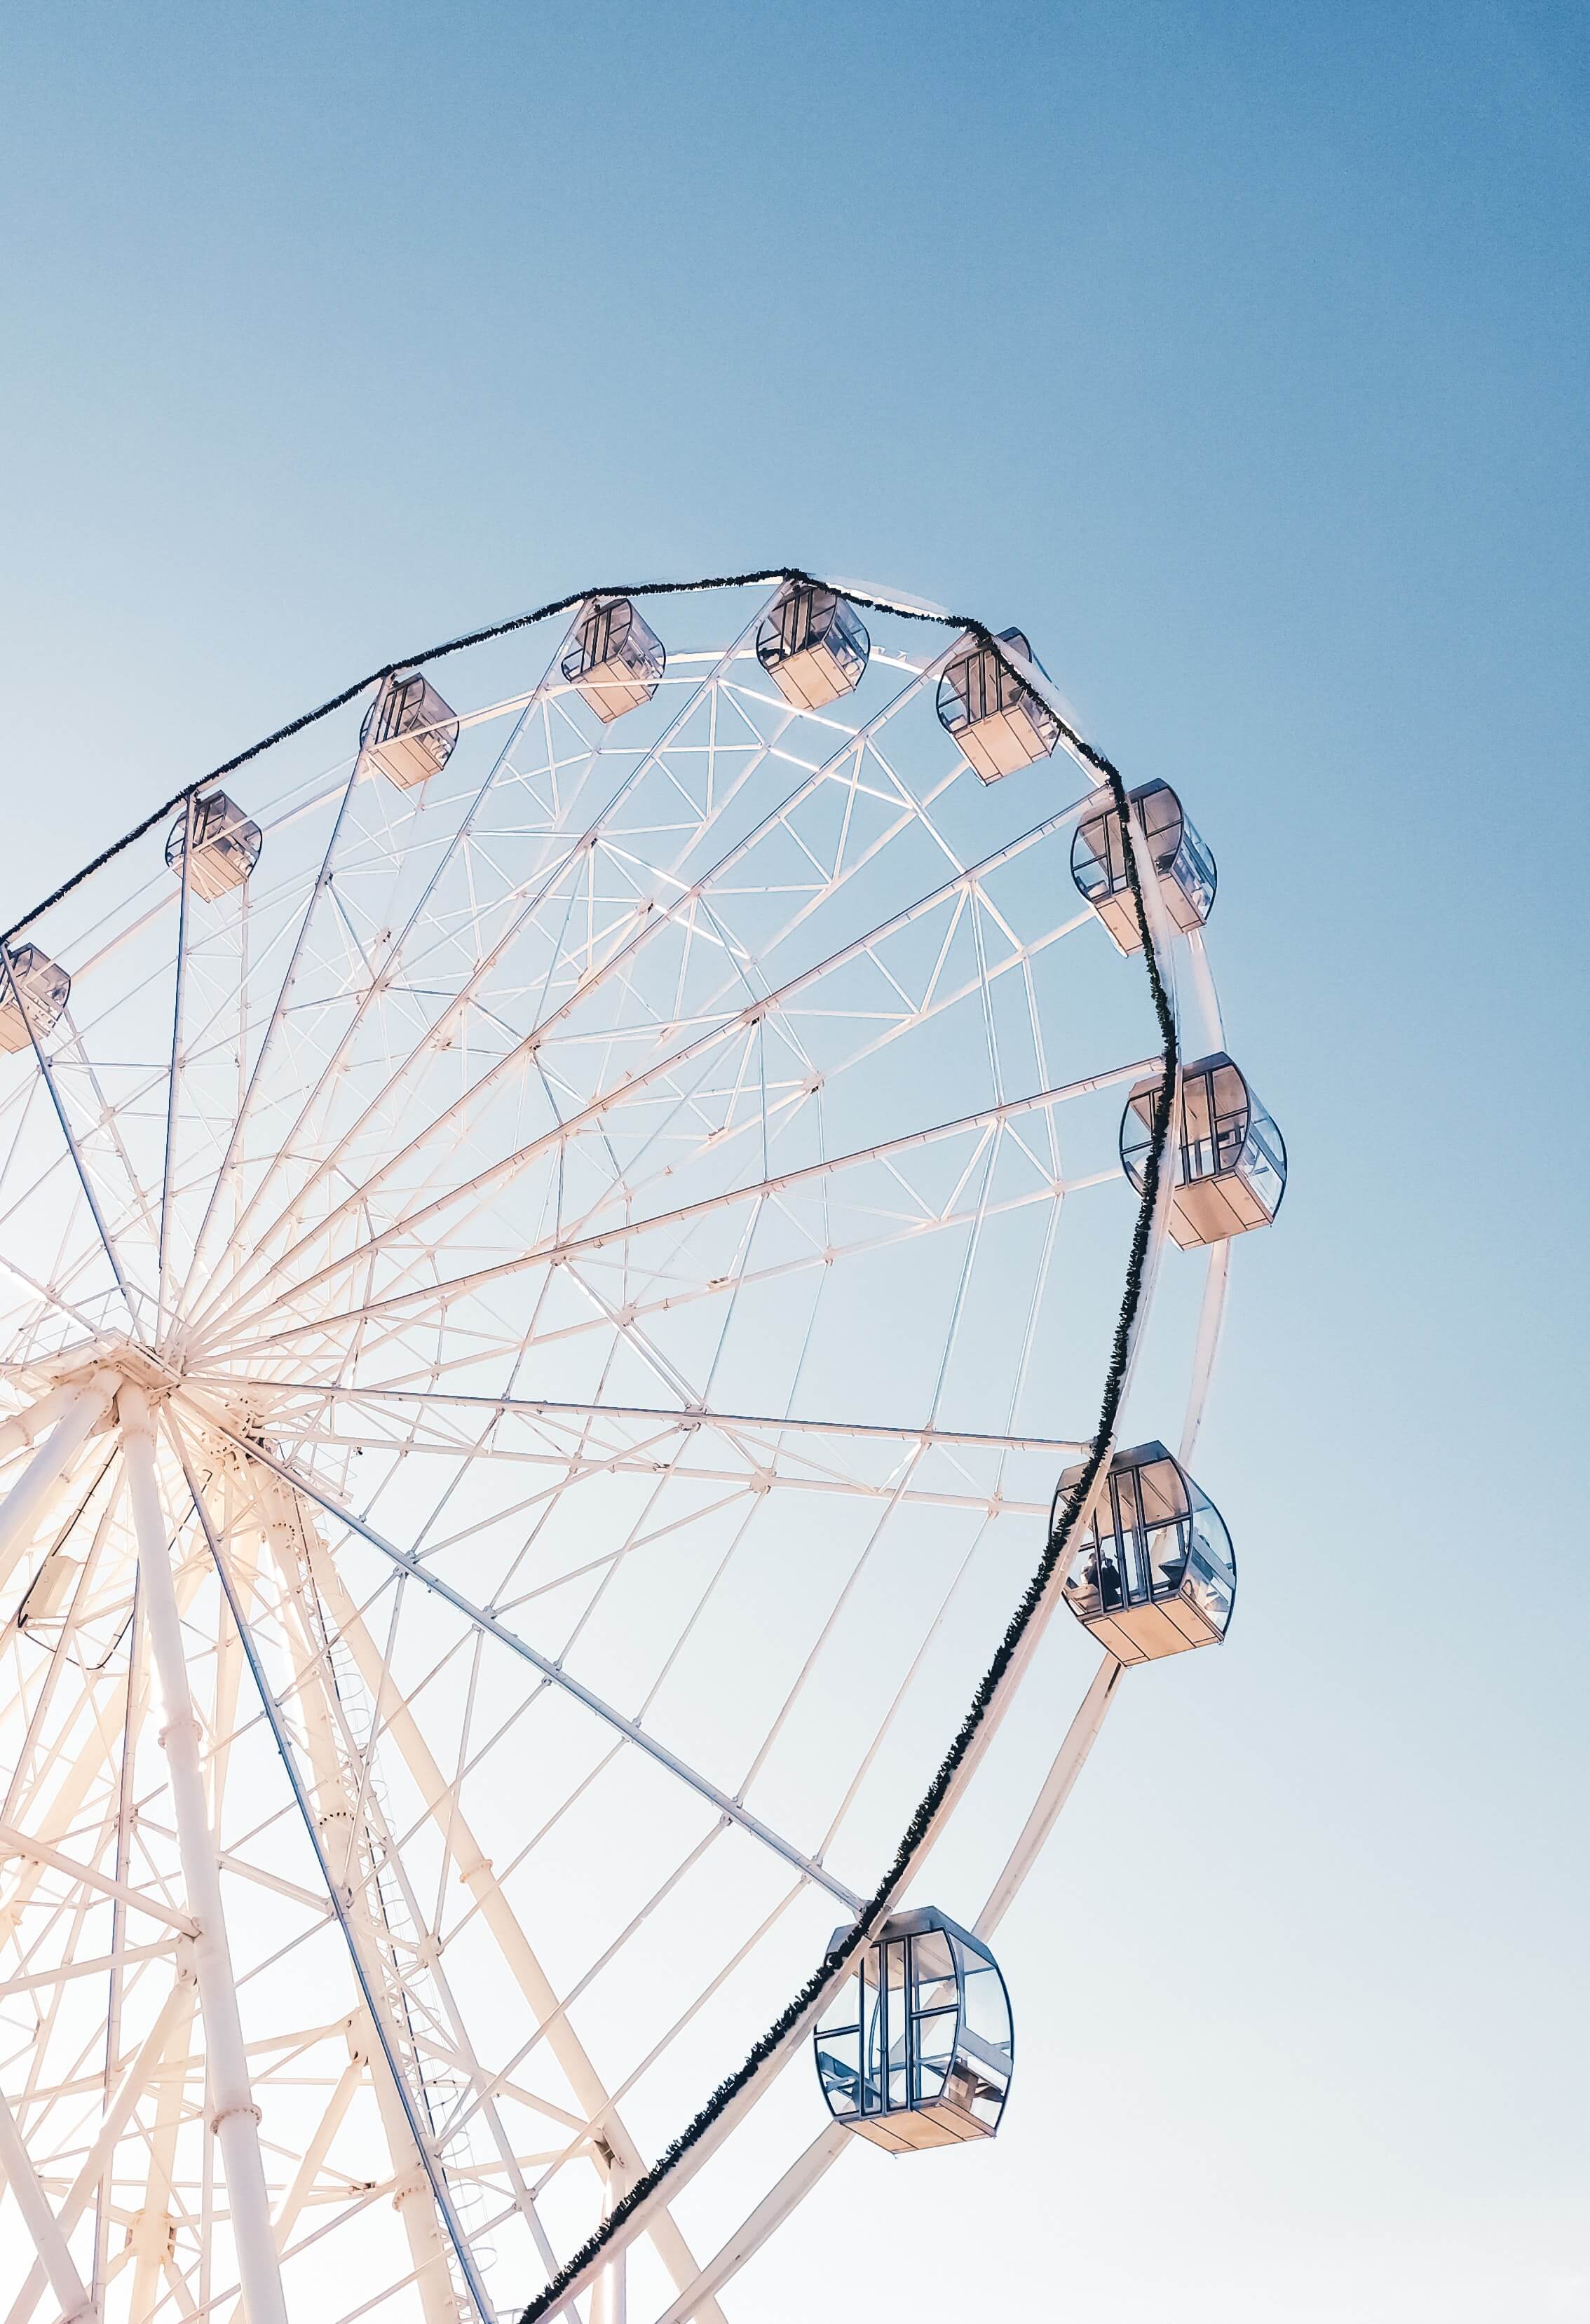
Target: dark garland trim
x: 1062, y: 1525
x: 1062, y: 1522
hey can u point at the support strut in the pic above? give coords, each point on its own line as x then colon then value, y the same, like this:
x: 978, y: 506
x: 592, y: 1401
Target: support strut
x: 235, y: 2120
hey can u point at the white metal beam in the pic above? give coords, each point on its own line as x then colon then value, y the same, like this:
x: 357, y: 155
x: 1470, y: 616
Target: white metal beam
x: 1079, y: 1740
x: 553, y: 1251
x: 41, y: 2223
x: 477, y: 1874
x: 37, y: 1852
x: 235, y: 2119
x: 1211, y: 1316
x: 693, y: 1416
x: 509, y: 1166
x: 28, y: 1499
x: 430, y: 2169
x: 770, y: 2214
x: 544, y: 887
x: 730, y: 1808
x: 23, y: 1427
x: 133, y: 2083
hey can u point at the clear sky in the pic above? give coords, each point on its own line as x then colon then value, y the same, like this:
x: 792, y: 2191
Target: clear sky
x: 1239, y: 354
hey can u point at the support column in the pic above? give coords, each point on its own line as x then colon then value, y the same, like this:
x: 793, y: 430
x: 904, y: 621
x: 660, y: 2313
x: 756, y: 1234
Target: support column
x: 398, y: 1722
x: 25, y: 1503
x: 65, y: 2283
x: 25, y: 1428
x: 133, y: 2083
x: 412, y: 2200
x: 1080, y: 1738
x: 771, y: 2213
x: 610, y: 2296
x: 236, y: 2117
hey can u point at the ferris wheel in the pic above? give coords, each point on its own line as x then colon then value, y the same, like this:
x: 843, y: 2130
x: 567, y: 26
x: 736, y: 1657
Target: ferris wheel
x: 582, y: 1239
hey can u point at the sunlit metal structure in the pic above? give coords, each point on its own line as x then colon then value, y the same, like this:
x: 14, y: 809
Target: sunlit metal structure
x: 531, y: 1286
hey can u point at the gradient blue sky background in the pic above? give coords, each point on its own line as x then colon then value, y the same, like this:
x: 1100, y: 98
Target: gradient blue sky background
x: 1239, y: 353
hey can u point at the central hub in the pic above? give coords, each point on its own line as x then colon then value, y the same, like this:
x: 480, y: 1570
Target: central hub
x: 140, y: 1365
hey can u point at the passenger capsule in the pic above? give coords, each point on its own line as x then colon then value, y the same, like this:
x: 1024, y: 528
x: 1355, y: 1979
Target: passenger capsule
x: 1000, y: 722
x: 38, y: 984
x: 812, y: 645
x: 225, y: 850
x: 1182, y: 859
x: 50, y: 1594
x: 1154, y: 1573
x: 409, y: 731
x: 616, y: 659
x: 1229, y: 1158
x: 916, y: 2048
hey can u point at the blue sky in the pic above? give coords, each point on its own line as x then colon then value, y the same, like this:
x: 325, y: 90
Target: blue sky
x: 1239, y: 354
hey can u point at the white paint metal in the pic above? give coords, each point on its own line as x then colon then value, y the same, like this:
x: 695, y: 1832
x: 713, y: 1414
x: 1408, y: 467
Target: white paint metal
x: 475, y: 1871
x: 24, y: 1506
x: 631, y: 1729
x: 1080, y: 1738
x: 134, y: 2082
x: 43, y: 2225
x: 770, y: 2214
x: 23, y: 1427
x: 352, y: 1228
x: 236, y: 2119
x: 1211, y: 1318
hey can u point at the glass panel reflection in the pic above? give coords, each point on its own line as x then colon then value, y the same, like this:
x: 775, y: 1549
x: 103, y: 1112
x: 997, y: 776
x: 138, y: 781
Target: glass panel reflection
x: 915, y: 2050
x: 1154, y: 1572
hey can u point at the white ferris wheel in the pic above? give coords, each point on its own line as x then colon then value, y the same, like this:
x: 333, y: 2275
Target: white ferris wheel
x: 576, y: 1242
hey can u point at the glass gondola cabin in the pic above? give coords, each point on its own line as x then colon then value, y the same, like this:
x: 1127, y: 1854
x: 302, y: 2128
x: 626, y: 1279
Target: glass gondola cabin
x: 1155, y: 1573
x: 999, y: 722
x: 616, y: 660
x: 813, y: 646
x: 916, y: 2048
x: 409, y: 731
x: 1229, y: 1157
x: 224, y: 847
x: 1182, y: 863
x: 37, y: 984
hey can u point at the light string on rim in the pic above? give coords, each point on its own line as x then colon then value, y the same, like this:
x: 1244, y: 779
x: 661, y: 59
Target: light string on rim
x: 1063, y: 1524
x: 1063, y: 1521
x: 556, y: 605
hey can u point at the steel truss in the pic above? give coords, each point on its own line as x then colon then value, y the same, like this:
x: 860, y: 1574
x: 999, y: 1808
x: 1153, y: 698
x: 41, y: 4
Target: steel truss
x: 538, y: 1336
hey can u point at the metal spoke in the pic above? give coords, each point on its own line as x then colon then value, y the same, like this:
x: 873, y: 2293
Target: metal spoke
x: 598, y: 1236
x: 630, y: 1729
x: 735, y: 1022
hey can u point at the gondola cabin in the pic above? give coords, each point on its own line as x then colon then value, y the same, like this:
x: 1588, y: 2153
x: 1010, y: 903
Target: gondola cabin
x: 1154, y: 1572
x: 616, y: 659
x: 49, y: 1595
x: 1229, y: 1158
x: 37, y: 984
x: 409, y: 731
x: 1182, y: 863
x: 813, y: 646
x: 916, y: 2048
x: 999, y: 722
x: 223, y: 849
